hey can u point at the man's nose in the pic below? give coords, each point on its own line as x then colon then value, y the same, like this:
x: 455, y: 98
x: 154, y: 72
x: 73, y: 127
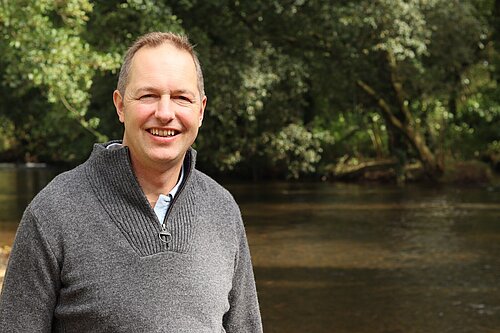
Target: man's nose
x: 164, y: 110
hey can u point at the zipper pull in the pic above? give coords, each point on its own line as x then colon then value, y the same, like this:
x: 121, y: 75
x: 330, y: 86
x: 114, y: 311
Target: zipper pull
x: 165, y: 236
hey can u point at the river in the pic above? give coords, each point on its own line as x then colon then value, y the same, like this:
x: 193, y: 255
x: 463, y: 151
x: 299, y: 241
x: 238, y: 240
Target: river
x: 354, y: 258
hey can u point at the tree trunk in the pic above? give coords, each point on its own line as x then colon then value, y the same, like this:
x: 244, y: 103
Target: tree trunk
x: 496, y: 38
x: 432, y: 168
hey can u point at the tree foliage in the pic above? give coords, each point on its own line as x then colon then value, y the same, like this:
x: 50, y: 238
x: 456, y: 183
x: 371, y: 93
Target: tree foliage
x: 292, y: 85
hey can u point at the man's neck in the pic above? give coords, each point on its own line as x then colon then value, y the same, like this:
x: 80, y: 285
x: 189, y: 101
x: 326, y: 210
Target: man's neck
x: 156, y: 181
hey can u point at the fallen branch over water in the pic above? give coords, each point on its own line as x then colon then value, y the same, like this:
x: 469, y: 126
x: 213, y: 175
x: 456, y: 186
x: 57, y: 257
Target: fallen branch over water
x: 355, y: 171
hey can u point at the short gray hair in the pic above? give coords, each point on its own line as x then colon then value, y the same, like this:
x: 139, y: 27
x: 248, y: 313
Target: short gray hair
x: 155, y: 39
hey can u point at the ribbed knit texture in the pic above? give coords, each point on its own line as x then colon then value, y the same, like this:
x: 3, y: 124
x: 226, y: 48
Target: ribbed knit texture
x: 87, y: 257
x: 110, y: 174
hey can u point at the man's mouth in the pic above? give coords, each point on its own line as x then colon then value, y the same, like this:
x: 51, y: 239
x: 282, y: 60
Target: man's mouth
x: 162, y: 133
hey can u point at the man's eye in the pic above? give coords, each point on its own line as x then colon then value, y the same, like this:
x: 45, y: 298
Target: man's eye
x: 147, y: 96
x: 184, y: 99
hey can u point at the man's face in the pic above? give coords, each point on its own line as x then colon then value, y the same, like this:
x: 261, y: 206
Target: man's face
x: 161, y: 108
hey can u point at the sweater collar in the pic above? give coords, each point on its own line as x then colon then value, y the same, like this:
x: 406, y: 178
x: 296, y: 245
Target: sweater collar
x: 175, y: 189
x: 111, y: 175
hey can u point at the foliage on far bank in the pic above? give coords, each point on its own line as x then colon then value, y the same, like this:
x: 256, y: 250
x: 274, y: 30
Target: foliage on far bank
x: 293, y: 90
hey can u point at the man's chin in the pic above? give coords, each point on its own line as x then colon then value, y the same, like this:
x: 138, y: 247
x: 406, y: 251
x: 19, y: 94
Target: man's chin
x: 170, y: 158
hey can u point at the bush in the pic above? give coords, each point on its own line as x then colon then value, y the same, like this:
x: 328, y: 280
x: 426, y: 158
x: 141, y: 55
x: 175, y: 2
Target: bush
x: 467, y: 172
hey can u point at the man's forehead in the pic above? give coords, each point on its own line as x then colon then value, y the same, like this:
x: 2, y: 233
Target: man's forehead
x: 150, y: 60
x: 162, y: 73
x: 155, y: 61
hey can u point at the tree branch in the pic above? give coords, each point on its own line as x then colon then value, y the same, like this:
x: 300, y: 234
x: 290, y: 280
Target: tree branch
x: 82, y: 121
x: 384, y: 107
x: 397, y: 85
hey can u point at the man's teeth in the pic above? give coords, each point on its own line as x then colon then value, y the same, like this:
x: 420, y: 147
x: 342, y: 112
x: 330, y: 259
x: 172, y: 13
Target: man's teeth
x: 160, y: 132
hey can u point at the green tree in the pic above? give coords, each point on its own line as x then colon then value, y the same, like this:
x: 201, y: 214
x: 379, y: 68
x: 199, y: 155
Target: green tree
x: 48, y: 69
x: 291, y: 85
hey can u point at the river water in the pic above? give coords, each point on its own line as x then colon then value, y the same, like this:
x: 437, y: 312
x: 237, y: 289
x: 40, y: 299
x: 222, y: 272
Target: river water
x: 354, y: 258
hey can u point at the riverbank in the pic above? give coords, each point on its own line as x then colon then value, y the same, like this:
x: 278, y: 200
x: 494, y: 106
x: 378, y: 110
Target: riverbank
x: 455, y: 172
x: 4, y: 257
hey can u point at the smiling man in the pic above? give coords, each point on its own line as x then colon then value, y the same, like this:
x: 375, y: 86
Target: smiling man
x: 136, y: 239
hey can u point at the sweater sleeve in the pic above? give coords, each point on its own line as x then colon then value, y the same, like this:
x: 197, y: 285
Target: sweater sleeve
x: 31, y: 282
x: 244, y: 314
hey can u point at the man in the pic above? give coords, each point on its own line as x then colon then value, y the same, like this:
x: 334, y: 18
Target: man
x: 136, y: 239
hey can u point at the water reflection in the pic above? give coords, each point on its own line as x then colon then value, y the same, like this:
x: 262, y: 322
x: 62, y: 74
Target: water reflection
x: 345, y: 258
x: 354, y: 258
x: 17, y: 187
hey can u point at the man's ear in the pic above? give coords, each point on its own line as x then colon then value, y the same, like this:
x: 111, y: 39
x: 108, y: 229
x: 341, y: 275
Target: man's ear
x: 118, y: 101
x: 202, y: 109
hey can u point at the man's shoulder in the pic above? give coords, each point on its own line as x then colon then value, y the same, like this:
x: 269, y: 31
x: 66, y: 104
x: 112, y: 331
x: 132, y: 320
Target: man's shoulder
x: 215, y: 200
x: 62, y: 188
x: 212, y: 188
x: 209, y: 183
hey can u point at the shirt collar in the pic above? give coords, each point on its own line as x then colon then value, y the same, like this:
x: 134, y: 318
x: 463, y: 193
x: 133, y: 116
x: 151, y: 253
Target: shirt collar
x: 173, y: 192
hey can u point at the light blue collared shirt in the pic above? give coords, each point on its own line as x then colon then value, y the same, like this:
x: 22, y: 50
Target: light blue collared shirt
x: 163, y: 202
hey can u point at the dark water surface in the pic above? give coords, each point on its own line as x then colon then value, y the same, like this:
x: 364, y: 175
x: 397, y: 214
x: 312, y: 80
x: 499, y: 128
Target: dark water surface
x: 354, y: 258
x: 350, y: 258
x: 17, y: 187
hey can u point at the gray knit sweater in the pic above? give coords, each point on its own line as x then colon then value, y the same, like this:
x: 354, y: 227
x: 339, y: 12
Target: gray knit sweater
x: 88, y: 257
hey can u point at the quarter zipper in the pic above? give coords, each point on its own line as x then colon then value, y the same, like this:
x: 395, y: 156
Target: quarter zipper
x: 164, y: 235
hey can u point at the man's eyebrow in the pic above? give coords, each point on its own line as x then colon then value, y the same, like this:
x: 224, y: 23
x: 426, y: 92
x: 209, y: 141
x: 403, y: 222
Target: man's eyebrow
x: 183, y: 91
x: 145, y: 89
x: 154, y: 89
